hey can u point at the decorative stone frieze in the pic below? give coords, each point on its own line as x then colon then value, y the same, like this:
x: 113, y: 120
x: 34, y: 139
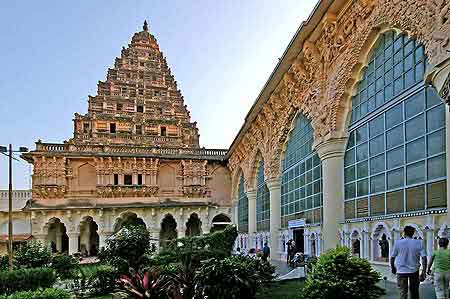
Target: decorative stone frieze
x: 320, y: 79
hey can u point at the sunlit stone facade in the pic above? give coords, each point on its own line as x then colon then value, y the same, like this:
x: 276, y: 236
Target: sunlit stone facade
x: 352, y: 130
x: 134, y: 157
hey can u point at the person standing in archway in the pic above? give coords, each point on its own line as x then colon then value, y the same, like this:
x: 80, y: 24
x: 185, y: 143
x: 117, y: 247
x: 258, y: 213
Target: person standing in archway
x: 266, y: 252
x: 405, y: 263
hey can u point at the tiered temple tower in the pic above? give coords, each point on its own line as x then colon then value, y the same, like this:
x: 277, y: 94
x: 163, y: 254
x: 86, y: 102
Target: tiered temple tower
x: 134, y: 157
x: 139, y: 103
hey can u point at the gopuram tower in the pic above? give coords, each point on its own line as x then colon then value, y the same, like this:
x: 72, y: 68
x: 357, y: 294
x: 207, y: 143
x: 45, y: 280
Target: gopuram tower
x: 134, y: 158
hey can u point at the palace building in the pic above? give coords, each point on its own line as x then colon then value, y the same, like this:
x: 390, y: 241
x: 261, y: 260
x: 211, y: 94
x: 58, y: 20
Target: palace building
x: 134, y: 158
x: 345, y: 144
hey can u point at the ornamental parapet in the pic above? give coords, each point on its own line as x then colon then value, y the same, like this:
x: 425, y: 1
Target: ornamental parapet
x: 68, y: 149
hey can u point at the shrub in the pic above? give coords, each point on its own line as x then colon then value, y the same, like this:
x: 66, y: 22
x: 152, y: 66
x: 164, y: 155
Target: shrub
x: 26, y: 280
x: 150, y: 284
x: 96, y: 280
x: 337, y: 274
x: 232, y: 277
x: 128, y: 249
x: 40, y: 294
x: 4, y: 263
x: 65, y: 266
x: 32, y: 255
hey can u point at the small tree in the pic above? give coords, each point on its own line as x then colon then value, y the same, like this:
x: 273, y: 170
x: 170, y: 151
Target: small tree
x: 127, y: 249
x: 32, y: 255
x: 338, y: 274
x: 65, y: 266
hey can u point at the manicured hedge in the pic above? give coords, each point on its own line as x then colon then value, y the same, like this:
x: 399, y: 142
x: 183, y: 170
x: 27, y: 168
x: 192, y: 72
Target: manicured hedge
x: 26, y: 280
x: 39, y: 294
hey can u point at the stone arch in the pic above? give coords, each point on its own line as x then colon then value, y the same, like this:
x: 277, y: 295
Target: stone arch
x: 220, y: 221
x: 57, y: 237
x: 287, y: 127
x: 168, y: 230
x: 410, y: 18
x: 236, y: 178
x: 128, y: 218
x: 193, y: 225
x: 356, y: 238
x: 88, y: 240
x: 381, y: 236
x: 254, y: 164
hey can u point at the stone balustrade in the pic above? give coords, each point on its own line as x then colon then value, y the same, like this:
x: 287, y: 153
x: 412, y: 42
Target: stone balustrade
x: 199, y: 153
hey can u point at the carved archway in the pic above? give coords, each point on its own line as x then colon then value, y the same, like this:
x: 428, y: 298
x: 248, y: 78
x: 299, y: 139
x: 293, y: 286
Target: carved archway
x: 57, y: 236
x: 320, y: 80
x: 88, y: 240
x: 219, y: 222
x: 168, y: 230
x: 126, y: 219
x: 193, y: 226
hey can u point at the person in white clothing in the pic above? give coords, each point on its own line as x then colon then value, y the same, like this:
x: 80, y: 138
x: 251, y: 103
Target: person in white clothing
x: 405, y: 263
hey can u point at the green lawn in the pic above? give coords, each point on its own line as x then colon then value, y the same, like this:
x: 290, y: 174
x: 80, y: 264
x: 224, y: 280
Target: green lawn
x: 282, y: 290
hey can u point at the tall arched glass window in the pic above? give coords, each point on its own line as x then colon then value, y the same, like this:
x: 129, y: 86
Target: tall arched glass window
x: 242, y: 207
x: 262, y: 200
x: 395, y: 158
x: 301, y: 189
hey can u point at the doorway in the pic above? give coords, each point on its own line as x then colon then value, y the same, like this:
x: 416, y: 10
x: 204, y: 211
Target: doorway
x: 299, y: 240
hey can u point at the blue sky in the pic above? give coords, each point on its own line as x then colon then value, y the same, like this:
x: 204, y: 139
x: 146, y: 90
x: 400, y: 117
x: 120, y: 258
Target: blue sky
x: 54, y: 52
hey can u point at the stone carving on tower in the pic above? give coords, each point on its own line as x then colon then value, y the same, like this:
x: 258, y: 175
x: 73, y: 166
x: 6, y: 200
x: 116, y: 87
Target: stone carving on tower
x: 138, y: 103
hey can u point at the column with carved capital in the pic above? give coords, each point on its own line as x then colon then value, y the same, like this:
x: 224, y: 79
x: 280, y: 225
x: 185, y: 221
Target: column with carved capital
x: 429, y: 235
x: 251, y: 196
x: 331, y: 153
x: 306, y: 242
x: 365, y: 241
x: 274, y: 186
x: 73, y: 242
x: 440, y: 78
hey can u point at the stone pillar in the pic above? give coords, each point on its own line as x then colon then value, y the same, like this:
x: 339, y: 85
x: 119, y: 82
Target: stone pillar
x: 306, y: 242
x: 73, y: 242
x: 251, y: 195
x: 440, y: 78
x: 274, y: 186
x: 447, y: 156
x: 332, y: 153
x: 429, y: 234
x: 319, y: 244
x: 59, y: 241
x: 365, y: 241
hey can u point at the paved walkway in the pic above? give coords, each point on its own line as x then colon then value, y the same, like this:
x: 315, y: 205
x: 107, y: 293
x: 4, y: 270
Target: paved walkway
x: 426, y: 288
x: 426, y: 291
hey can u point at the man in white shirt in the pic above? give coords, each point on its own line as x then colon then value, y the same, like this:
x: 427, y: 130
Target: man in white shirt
x: 405, y: 263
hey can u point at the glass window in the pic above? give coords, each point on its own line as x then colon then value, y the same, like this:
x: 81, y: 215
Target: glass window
x: 242, y: 207
x: 262, y: 200
x: 395, y: 178
x: 394, y: 137
x: 415, y: 150
x: 436, y: 167
x: 437, y: 194
x: 303, y: 167
x: 415, y: 198
x: 401, y: 138
x: 377, y: 205
x: 436, y: 142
